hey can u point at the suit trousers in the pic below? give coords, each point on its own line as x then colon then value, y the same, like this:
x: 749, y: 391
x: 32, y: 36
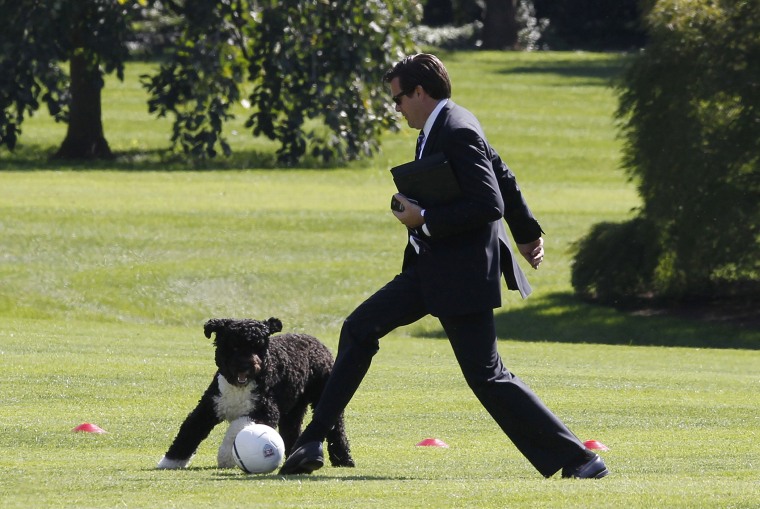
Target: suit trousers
x: 537, y: 433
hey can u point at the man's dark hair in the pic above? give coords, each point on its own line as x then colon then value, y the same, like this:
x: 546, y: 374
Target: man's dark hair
x: 422, y: 69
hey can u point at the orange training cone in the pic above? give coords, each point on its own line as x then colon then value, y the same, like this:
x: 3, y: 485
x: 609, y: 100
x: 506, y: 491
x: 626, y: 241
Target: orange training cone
x: 432, y: 442
x: 88, y: 428
x: 595, y: 445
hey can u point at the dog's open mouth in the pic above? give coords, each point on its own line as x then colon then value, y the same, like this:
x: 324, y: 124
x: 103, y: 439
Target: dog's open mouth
x: 242, y: 378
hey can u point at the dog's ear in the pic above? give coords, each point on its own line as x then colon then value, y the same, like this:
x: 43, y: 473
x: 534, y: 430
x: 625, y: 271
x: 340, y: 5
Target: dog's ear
x: 275, y: 325
x: 215, y: 325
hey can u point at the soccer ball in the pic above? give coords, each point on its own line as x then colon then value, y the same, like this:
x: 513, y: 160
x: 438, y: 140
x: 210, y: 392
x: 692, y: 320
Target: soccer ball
x: 258, y: 449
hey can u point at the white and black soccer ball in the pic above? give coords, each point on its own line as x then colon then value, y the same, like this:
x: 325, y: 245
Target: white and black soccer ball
x: 258, y: 449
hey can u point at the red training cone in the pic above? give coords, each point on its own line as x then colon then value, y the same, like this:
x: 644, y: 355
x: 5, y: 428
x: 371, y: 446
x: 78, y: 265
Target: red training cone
x: 88, y: 428
x: 432, y: 442
x: 595, y: 445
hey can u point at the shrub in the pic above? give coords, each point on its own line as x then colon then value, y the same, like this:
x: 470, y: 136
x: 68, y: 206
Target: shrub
x: 591, y: 24
x: 448, y: 36
x: 689, y: 115
x: 530, y: 30
x: 615, y: 262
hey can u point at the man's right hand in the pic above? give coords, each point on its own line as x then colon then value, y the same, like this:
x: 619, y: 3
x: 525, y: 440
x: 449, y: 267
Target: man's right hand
x: 533, y: 252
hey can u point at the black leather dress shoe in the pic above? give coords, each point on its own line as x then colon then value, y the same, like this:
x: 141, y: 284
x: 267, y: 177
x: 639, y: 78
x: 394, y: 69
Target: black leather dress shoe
x: 304, y: 460
x: 587, y: 468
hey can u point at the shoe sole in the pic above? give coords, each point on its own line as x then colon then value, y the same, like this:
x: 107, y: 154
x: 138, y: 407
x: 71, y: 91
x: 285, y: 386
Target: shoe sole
x: 596, y: 475
x: 306, y: 466
x: 311, y: 465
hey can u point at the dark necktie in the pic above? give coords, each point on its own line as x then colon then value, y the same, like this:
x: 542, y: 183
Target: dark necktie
x: 415, y: 238
x: 420, y: 141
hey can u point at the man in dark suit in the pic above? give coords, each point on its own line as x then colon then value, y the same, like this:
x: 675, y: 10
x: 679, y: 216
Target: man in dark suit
x: 452, y: 269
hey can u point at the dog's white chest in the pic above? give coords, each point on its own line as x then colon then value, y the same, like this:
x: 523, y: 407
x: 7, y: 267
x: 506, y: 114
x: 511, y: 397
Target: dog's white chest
x: 233, y: 401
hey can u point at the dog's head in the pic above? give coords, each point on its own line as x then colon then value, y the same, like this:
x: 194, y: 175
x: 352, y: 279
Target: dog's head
x: 241, y: 346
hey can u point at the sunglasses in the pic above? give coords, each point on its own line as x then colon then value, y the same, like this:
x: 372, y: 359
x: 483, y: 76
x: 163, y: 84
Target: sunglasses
x: 397, y: 98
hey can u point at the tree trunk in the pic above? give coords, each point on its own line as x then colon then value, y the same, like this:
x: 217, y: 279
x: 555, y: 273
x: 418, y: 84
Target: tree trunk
x: 500, y: 24
x: 84, y: 137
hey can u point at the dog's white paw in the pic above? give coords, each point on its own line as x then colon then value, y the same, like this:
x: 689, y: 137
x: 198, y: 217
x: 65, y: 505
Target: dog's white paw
x: 224, y: 457
x: 225, y: 461
x: 169, y: 464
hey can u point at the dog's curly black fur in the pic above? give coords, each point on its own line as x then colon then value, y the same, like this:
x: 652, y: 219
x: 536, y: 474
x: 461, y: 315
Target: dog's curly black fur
x: 268, y: 380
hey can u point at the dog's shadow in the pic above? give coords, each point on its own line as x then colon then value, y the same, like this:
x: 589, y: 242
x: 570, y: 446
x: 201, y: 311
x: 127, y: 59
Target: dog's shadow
x: 237, y: 476
x: 186, y: 469
x: 232, y: 474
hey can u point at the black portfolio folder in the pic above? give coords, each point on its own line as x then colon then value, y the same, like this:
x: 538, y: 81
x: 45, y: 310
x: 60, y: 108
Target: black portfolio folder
x: 429, y: 181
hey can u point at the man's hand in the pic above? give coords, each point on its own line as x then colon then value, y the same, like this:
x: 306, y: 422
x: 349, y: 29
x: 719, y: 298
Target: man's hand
x: 410, y: 214
x: 533, y: 252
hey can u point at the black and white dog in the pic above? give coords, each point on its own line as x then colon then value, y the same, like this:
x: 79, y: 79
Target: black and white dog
x: 263, y: 379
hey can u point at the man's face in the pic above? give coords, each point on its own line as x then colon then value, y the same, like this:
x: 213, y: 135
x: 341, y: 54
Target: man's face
x: 409, y: 106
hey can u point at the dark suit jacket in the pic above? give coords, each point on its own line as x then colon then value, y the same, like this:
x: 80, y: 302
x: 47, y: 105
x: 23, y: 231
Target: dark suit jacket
x: 468, y: 248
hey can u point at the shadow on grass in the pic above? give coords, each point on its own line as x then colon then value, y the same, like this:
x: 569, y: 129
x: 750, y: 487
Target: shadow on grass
x: 236, y: 476
x: 36, y: 158
x: 562, y: 318
x: 594, y: 72
x: 233, y: 474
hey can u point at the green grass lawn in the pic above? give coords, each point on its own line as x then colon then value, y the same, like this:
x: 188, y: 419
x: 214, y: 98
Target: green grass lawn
x: 108, y: 271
